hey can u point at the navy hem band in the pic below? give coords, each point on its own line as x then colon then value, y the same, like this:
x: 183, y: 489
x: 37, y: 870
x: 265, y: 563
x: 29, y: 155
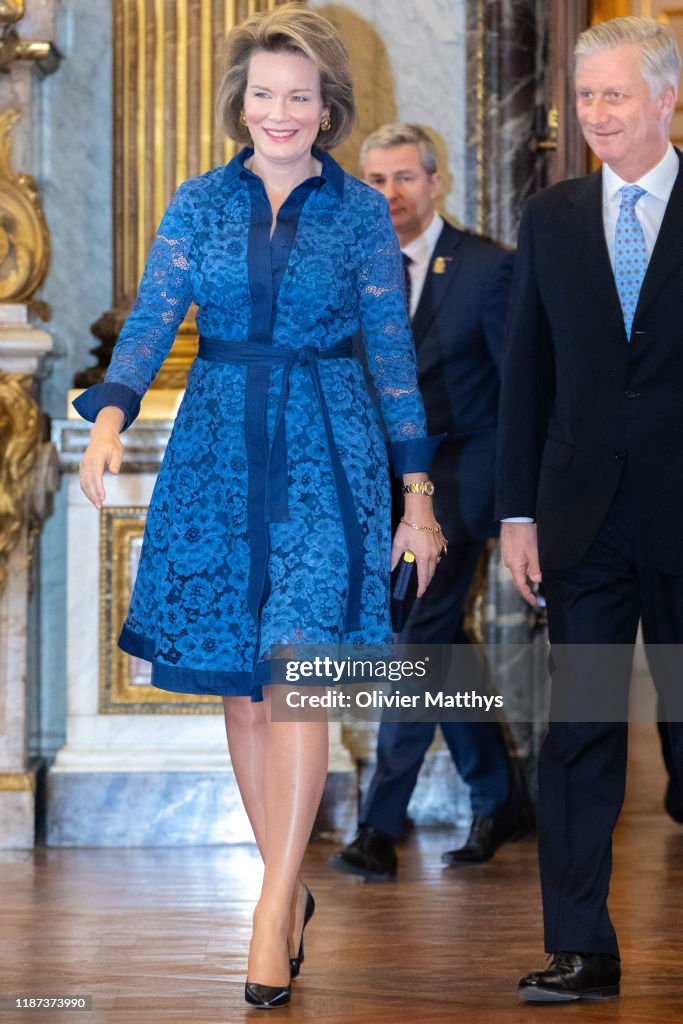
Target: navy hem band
x: 201, y: 682
x: 99, y: 396
x: 415, y: 454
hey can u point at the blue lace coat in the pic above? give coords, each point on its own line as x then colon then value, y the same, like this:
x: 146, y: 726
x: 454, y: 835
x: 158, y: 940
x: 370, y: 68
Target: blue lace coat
x: 270, y: 517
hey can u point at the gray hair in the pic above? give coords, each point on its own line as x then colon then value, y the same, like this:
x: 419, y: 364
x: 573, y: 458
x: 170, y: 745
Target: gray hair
x: 402, y: 134
x: 661, y: 58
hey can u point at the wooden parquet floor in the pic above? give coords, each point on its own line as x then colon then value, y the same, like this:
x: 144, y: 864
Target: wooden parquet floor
x: 159, y: 936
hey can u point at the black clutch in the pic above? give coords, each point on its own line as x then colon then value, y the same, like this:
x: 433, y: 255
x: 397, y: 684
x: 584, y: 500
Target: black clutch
x: 403, y: 590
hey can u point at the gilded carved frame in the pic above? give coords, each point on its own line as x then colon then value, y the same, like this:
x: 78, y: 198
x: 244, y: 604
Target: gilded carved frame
x: 125, y: 687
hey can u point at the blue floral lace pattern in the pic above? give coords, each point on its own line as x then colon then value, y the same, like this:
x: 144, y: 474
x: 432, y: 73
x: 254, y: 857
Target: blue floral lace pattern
x: 189, y: 613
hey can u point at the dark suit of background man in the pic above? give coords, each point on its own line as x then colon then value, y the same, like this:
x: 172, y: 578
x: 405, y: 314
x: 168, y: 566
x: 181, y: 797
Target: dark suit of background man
x: 591, y: 448
x: 457, y: 291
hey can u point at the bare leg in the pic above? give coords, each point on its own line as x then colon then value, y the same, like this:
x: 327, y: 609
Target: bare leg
x: 246, y: 729
x: 295, y: 773
x: 245, y: 726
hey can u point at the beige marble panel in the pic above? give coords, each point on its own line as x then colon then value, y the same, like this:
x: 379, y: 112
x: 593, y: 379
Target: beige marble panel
x: 409, y: 64
x: 13, y: 615
x: 21, y: 351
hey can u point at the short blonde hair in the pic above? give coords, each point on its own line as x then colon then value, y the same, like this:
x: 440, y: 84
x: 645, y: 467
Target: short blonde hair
x: 660, y: 56
x: 293, y: 28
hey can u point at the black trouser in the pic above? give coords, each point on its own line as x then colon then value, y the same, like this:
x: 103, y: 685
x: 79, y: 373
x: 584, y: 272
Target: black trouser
x: 582, y: 766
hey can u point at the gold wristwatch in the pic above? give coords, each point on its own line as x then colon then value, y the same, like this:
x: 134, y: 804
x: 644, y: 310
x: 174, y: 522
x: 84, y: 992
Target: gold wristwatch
x: 426, y: 487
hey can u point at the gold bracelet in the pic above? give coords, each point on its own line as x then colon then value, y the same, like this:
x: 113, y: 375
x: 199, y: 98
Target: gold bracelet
x: 425, y: 487
x: 424, y: 529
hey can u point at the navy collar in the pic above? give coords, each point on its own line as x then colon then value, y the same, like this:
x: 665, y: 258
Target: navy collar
x: 331, y: 171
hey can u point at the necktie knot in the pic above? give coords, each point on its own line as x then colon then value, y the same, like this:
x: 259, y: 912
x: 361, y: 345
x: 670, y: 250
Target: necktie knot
x: 630, y: 194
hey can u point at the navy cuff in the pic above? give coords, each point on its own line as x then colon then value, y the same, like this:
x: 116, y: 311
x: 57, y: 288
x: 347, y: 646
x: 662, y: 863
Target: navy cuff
x: 99, y: 396
x: 414, y: 455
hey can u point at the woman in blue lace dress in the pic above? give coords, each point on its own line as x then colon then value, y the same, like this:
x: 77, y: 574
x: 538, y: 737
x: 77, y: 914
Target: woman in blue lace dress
x: 269, y: 522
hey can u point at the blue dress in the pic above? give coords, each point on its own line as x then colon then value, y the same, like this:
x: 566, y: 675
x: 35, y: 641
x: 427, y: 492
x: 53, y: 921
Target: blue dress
x: 270, y: 517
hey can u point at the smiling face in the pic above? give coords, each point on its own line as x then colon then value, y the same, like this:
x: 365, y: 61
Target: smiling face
x: 397, y: 173
x: 283, y: 106
x: 621, y: 122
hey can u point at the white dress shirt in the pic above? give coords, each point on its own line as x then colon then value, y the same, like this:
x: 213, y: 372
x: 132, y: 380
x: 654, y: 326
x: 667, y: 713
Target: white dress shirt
x: 650, y: 209
x: 420, y: 252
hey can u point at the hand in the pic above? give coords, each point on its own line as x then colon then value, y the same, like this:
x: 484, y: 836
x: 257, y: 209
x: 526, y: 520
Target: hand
x: 519, y: 551
x: 104, y: 451
x: 427, y: 548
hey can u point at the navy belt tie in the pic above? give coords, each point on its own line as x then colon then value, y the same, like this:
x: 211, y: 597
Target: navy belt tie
x: 267, y: 462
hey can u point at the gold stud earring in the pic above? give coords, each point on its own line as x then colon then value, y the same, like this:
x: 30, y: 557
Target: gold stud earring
x: 243, y: 118
x: 325, y: 124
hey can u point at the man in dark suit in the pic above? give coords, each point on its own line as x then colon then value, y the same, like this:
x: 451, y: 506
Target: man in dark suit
x: 591, y: 455
x: 457, y: 292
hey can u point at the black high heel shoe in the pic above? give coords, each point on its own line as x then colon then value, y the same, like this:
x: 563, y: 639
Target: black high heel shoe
x: 267, y: 997
x: 295, y: 962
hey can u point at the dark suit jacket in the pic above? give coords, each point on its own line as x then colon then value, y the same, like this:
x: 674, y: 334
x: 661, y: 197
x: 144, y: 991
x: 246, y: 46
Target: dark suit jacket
x: 579, y: 403
x: 459, y: 328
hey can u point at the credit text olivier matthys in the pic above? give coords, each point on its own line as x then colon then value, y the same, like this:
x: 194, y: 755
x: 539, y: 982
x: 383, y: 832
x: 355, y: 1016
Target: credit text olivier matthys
x: 462, y: 700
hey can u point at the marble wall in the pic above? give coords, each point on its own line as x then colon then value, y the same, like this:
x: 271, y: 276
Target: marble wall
x: 30, y: 477
x: 507, y: 43
x: 75, y: 179
x: 74, y: 173
x: 409, y: 61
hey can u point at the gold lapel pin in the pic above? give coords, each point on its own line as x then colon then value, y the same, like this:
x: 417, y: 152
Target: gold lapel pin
x: 440, y: 263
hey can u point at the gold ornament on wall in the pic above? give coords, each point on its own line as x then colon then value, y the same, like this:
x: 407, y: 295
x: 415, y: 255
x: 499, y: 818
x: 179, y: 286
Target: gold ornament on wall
x: 11, y: 11
x: 24, y: 234
x: 19, y: 446
x: 13, y: 48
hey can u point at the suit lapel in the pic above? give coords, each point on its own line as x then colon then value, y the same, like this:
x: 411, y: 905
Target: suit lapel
x: 668, y: 251
x: 587, y: 249
x: 443, y: 266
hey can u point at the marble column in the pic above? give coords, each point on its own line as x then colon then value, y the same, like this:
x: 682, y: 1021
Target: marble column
x: 28, y: 474
x: 508, y: 42
x: 28, y: 477
x: 509, y: 139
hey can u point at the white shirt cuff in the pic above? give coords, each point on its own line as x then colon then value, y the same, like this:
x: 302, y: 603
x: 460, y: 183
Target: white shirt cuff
x: 518, y: 519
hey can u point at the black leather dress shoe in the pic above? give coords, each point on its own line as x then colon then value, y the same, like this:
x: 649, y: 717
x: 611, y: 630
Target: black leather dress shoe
x: 673, y: 803
x: 371, y: 854
x: 572, y: 976
x: 487, y: 834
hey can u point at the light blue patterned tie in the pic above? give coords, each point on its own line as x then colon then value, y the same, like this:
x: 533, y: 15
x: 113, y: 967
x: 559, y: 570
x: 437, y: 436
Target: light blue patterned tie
x: 630, y: 254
